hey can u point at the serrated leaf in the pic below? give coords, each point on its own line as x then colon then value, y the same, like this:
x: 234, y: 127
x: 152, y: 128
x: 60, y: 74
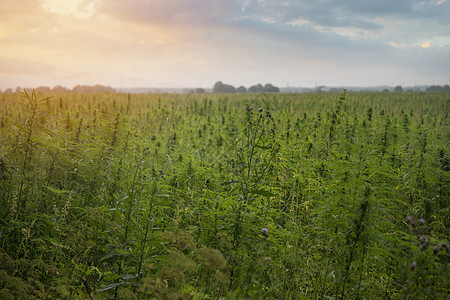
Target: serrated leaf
x: 122, y: 252
x: 57, y: 191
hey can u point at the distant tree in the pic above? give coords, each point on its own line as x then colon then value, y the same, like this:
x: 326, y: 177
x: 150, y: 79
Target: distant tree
x: 60, y: 89
x: 446, y: 88
x: 320, y: 88
x: 398, y: 88
x: 18, y: 89
x: 85, y: 89
x: 385, y: 90
x: 220, y: 87
x: 256, y: 88
x: 241, y: 89
x: 200, y: 91
x: 434, y: 88
x: 8, y: 91
x: 269, y: 88
x: 43, y: 89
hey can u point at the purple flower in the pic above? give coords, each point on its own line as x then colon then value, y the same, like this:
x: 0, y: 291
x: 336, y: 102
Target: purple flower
x: 424, y: 242
x: 260, y: 109
x: 413, y: 265
x: 265, y: 232
x: 411, y: 220
x: 421, y: 221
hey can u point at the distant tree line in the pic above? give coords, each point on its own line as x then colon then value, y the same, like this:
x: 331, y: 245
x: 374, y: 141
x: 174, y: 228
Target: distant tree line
x: 82, y: 89
x: 432, y: 88
x: 220, y: 87
x: 438, y: 88
x: 87, y: 89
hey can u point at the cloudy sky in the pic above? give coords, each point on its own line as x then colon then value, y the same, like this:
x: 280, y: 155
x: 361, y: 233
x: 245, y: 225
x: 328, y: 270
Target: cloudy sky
x: 194, y: 43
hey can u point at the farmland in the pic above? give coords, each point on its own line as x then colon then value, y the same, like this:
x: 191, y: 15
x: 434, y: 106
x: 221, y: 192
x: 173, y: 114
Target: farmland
x: 255, y: 196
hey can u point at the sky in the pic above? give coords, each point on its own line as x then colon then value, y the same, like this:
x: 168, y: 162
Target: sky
x: 194, y: 43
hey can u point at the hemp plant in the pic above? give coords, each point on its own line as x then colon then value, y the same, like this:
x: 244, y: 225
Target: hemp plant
x: 424, y: 269
x: 255, y: 153
x: 29, y: 126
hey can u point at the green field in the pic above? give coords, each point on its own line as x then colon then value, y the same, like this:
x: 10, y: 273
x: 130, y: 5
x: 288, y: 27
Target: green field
x: 263, y: 196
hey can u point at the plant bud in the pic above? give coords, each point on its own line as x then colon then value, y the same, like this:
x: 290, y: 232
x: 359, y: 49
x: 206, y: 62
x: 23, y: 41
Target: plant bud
x: 424, y: 242
x: 411, y: 220
x: 437, y: 248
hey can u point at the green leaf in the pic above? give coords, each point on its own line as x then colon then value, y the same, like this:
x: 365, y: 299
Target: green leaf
x: 57, y: 191
x: 122, y: 252
x: 230, y: 182
x: 262, y: 193
x: 111, y: 286
x: 128, y: 276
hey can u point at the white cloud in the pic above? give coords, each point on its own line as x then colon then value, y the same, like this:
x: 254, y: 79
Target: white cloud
x: 427, y: 45
x: 269, y: 20
x: 80, y: 9
x: 300, y: 22
x: 396, y: 45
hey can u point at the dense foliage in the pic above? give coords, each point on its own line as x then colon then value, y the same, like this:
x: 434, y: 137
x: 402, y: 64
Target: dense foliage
x: 285, y: 196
